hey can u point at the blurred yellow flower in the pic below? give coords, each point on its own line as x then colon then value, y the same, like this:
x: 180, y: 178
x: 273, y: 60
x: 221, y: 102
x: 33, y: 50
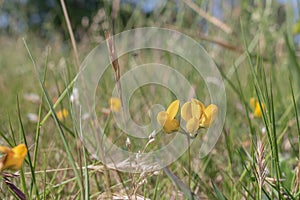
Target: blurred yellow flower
x: 296, y: 28
x: 115, y: 104
x: 167, y: 118
x: 62, y: 114
x: 12, y: 159
x: 197, y: 116
x: 256, y: 107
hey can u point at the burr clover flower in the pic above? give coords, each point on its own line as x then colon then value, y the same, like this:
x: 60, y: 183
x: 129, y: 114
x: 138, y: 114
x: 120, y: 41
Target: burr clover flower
x: 196, y: 115
x: 167, y: 118
x: 12, y: 159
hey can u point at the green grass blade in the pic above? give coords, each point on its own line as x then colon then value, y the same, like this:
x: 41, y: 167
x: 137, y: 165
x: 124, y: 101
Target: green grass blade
x: 219, y: 194
x: 59, y: 99
x: 180, y: 185
x: 86, y: 176
x: 156, y: 187
x: 33, y: 183
x: 56, y: 120
x: 292, y: 54
x: 246, y: 106
x: 12, y: 135
x: 3, y: 136
x: 296, y: 114
x: 86, y: 171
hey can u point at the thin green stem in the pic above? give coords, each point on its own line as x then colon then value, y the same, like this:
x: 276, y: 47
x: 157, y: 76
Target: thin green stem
x: 189, y: 161
x: 296, y: 115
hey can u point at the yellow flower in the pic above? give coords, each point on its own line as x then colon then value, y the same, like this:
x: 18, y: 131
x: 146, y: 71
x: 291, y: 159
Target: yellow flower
x: 167, y: 118
x: 196, y: 115
x: 62, y: 114
x: 256, y: 107
x: 209, y: 116
x: 115, y: 104
x: 12, y: 159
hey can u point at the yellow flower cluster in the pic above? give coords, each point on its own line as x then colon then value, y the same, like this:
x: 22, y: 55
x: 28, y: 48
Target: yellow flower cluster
x: 194, y: 113
x: 12, y: 159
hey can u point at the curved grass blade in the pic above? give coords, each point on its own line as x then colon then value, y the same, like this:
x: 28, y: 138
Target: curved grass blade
x: 219, y: 194
x: 180, y: 185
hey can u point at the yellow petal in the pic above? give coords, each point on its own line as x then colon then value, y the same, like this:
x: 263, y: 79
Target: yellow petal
x: 197, y: 108
x: 14, y: 158
x: 209, y: 116
x: 115, y: 104
x: 257, y: 110
x: 4, y: 151
x: 186, y: 111
x: 20, y: 150
x: 162, y: 117
x: 173, y: 109
x: 199, y: 103
x: 204, y: 121
x: 192, y: 125
x: 171, y: 126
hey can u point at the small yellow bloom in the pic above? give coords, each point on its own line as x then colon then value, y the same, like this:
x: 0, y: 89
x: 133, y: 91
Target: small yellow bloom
x: 115, y: 104
x: 196, y: 115
x: 12, y: 159
x: 62, y: 114
x: 209, y: 116
x: 167, y: 118
x: 256, y: 107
